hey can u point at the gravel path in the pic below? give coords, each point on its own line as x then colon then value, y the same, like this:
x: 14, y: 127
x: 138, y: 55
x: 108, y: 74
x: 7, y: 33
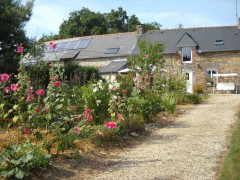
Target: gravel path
x: 188, y: 149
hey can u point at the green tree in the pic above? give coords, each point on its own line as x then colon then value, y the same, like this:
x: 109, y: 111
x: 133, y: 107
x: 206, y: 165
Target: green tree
x: 152, y: 26
x: 13, y: 18
x: 117, y: 20
x: 133, y: 21
x: 83, y: 23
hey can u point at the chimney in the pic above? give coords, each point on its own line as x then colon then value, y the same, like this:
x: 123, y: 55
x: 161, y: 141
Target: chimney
x: 238, y: 23
x: 140, y: 29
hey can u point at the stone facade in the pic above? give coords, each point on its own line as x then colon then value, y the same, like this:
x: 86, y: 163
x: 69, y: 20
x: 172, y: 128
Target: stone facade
x: 222, y: 62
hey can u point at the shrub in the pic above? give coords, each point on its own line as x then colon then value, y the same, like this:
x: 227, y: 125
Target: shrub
x: 198, y: 88
x: 169, y: 102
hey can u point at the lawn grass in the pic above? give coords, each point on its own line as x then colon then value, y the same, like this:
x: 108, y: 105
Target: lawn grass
x: 231, y: 164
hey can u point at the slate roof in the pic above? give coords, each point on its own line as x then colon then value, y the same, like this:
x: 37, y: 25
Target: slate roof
x: 114, y: 66
x: 203, y: 38
x: 95, y: 48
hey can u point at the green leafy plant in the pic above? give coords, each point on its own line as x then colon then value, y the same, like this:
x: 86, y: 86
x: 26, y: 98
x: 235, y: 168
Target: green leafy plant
x: 18, y: 160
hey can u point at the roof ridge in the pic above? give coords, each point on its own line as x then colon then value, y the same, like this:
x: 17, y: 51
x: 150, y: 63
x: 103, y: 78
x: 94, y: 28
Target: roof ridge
x: 91, y: 36
x: 206, y: 27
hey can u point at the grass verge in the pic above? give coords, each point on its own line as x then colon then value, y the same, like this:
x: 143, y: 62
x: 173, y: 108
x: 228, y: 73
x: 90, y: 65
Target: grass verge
x: 231, y: 164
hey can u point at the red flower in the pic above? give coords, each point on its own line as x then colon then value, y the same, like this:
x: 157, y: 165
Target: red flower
x: 6, y: 89
x: 57, y: 83
x: 26, y: 131
x: 111, y: 124
x: 40, y: 92
x: 124, y: 92
x: 19, y: 49
x: 77, y: 130
x: 53, y: 45
x: 14, y: 87
x: 4, y: 77
x: 90, y: 118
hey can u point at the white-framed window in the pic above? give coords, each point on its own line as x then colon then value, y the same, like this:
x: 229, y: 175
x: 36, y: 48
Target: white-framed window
x: 186, y: 55
x: 209, y: 76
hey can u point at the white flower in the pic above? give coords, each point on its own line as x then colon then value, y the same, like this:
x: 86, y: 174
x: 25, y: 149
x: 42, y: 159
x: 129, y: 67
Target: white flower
x: 98, y: 102
x: 95, y: 89
x: 110, y: 86
x: 114, y: 97
x: 100, y: 87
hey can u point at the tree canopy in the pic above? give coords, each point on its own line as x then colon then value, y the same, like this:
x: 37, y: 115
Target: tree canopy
x: 13, y: 18
x: 86, y: 22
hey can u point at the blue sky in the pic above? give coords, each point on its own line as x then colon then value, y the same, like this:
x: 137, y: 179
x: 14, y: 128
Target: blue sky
x: 49, y: 14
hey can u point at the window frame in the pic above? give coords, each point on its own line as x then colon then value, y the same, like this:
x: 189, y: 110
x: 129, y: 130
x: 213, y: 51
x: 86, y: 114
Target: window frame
x: 186, y: 62
x: 211, y: 74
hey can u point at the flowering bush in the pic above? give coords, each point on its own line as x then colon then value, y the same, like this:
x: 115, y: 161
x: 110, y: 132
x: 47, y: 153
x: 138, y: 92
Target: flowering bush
x: 96, y: 97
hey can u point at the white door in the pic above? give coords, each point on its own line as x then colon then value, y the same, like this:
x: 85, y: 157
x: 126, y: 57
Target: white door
x: 189, y: 78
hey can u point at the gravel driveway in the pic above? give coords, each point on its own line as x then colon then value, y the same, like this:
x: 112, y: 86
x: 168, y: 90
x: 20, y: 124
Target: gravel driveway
x: 188, y: 149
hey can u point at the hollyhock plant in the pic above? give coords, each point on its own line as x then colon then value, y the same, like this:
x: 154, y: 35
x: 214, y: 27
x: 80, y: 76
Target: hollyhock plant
x: 57, y: 83
x: 30, y: 97
x: 14, y: 87
x: 19, y: 49
x: 111, y: 125
x: 4, y: 77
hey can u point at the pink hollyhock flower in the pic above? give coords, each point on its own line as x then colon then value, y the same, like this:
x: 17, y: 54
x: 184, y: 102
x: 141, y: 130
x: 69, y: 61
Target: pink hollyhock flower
x: 142, y: 87
x: 78, y: 117
x: 37, y: 110
x: 111, y: 125
x: 99, y: 134
x: 135, y: 79
x: 4, y: 77
x: 119, y: 97
x: 19, y: 49
x: 26, y: 131
x: 147, y: 56
x: 14, y: 87
x: 124, y: 92
x: 50, y: 65
x: 114, y: 103
x: 6, y: 89
x: 30, y: 97
x: 88, y: 111
x: 40, y: 92
x: 47, y: 110
x: 90, y: 118
x: 119, y: 116
x: 57, y: 83
x: 77, y: 130
x: 29, y: 82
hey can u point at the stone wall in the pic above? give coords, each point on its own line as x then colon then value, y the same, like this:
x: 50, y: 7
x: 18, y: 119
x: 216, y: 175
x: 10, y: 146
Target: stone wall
x: 224, y: 62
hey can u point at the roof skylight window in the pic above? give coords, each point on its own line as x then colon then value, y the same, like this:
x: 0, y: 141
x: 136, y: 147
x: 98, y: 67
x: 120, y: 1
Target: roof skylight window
x: 218, y: 42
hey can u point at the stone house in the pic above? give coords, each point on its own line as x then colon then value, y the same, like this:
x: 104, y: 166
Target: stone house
x: 201, y: 54
x: 107, y: 52
x: 198, y: 53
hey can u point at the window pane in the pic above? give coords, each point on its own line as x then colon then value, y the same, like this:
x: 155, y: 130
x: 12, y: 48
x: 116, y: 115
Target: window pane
x: 186, y: 54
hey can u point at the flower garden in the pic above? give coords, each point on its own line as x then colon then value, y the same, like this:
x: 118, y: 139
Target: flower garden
x: 39, y: 121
